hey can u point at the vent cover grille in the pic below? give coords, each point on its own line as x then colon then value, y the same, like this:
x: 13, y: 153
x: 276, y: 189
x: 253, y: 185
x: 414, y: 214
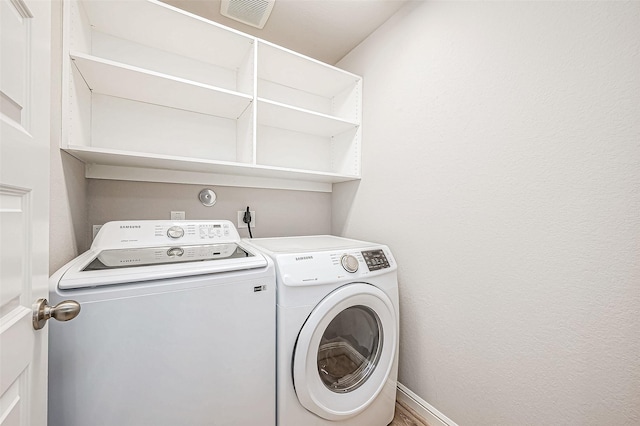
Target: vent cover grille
x: 250, y: 12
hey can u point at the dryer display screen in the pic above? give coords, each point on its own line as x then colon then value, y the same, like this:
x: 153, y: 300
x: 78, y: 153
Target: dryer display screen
x: 375, y: 259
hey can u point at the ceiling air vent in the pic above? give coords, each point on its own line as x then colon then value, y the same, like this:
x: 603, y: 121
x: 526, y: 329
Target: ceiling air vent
x: 250, y: 12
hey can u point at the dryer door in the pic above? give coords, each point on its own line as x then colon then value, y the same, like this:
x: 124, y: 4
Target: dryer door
x: 345, y: 351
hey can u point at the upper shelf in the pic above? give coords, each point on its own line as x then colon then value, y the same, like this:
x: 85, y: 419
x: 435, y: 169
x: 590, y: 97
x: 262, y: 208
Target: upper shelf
x: 287, y: 68
x: 197, y: 38
x: 125, y: 81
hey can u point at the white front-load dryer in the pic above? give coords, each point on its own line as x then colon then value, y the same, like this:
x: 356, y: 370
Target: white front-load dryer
x: 337, y: 330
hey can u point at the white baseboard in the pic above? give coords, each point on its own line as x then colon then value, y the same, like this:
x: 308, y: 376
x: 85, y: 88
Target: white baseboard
x: 424, y: 409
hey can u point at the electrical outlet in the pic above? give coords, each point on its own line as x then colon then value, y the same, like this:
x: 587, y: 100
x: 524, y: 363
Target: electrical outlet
x: 177, y: 216
x: 96, y: 228
x: 241, y: 223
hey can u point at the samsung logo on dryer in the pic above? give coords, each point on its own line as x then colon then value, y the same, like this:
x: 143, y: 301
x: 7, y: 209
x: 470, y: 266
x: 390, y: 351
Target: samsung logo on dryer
x: 304, y: 258
x: 130, y: 226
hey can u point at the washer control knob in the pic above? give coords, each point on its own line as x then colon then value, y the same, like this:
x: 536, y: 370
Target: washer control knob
x: 175, y: 251
x: 349, y: 263
x: 175, y: 232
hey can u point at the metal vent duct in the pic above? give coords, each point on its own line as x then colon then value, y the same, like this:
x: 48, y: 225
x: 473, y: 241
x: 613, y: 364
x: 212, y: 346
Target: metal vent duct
x: 250, y: 12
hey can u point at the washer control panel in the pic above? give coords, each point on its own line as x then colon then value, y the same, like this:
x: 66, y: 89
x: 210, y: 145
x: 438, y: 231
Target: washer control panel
x: 375, y: 259
x: 175, y: 232
x: 152, y: 233
x: 214, y: 230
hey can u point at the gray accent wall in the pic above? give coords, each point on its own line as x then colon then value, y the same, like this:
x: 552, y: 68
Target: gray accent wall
x: 278, y: 212
x: 79, y: 203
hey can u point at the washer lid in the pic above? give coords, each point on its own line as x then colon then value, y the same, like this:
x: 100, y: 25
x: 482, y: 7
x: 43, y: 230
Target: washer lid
x: 145, y: 256
x: 97, y: 268
x: 345, y: 352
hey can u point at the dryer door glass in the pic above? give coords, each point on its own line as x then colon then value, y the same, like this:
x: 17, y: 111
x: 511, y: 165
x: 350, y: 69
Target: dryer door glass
x: 350, y: 349
x: 345, y: 352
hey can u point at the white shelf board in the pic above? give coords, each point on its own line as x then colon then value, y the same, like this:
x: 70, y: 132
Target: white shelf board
x: 138, y: 174
x: 275, y: 114
x: 170, y: 164
x: 129, y: 82
x: 168, y: 28
x: 291, y: 69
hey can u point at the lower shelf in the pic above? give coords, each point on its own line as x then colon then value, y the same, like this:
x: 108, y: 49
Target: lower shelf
x: 119, y: 165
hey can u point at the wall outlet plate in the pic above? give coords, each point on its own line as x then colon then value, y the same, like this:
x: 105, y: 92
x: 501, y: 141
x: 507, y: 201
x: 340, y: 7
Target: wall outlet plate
x: 241, y: 224
x: 177, y: 215
x: 96, y: 228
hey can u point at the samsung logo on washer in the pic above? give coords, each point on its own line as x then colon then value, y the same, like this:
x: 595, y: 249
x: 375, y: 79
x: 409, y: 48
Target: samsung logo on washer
x: 304, y: 258
x: 129, y: 226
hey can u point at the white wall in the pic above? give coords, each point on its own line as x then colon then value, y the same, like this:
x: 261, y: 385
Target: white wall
x: 501, y: 163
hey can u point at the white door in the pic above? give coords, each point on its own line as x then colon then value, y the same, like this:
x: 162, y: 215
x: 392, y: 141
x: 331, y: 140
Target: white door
x: 345, y: 351
x: 25, y: 70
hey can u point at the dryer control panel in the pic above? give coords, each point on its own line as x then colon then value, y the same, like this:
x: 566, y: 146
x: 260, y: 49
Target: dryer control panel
x: 375, y: 259
x: 326, y: 259
x: 316, y: 268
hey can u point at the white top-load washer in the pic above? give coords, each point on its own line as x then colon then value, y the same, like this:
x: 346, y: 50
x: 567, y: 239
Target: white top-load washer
x: 177, y: 327
x: 337, y: 327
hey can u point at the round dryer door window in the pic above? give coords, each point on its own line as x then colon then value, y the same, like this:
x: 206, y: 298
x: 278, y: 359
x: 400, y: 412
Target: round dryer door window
x: 345, y: 351
x: 349, y: 349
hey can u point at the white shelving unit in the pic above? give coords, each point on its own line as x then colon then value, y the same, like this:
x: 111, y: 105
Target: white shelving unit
x: 153, y: 93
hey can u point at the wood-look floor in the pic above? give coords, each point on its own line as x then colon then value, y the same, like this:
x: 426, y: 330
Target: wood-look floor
x: 405, y: 416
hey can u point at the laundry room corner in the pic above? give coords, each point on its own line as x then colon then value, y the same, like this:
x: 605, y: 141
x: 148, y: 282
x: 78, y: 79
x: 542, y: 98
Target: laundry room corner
x: 492, y: 146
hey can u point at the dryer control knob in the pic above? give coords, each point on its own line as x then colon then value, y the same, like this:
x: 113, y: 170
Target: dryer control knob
x: 349, y: 263
x: 175, y: 232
